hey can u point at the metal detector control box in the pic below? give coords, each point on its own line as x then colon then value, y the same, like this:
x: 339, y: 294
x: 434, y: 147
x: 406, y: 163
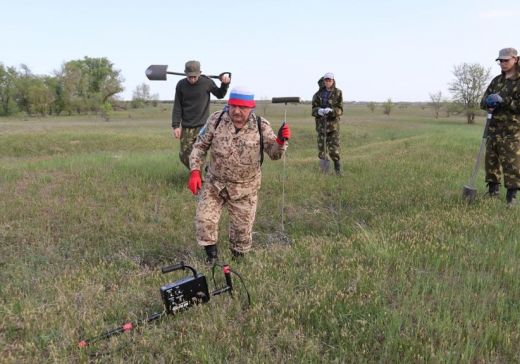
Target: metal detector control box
x: 184, y: 293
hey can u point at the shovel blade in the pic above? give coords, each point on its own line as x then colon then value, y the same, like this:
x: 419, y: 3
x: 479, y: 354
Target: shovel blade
x: 157, y: 72
x: 324, y: 165
x: 469, y: 193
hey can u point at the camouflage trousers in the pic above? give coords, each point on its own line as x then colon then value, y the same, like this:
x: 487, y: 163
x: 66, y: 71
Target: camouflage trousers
x: 241, y: 212
x: 188, y: 138
x: 503, y: 151
x: 328, y: 138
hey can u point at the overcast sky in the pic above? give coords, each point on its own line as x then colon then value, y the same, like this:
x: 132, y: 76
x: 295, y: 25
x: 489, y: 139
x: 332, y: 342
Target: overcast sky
x: 400, y: 49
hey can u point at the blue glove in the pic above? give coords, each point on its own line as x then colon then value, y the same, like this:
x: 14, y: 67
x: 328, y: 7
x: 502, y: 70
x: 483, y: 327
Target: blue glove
x: 493, y: 101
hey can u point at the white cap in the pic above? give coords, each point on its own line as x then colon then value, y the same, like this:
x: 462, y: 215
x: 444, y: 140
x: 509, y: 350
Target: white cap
x: 329, y: 75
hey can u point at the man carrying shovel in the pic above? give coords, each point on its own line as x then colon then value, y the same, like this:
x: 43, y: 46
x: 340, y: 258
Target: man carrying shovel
x: 327, y: 107
x: 191, y: 106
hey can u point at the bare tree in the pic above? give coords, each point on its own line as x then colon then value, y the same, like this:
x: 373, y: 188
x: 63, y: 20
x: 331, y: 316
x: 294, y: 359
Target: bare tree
x: 436, y: 103
x: 469, y: 86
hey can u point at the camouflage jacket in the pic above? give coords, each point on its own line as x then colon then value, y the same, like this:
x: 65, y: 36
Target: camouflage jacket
x: 508, y: 113
x: 235, y: 157
x: 335, y: 102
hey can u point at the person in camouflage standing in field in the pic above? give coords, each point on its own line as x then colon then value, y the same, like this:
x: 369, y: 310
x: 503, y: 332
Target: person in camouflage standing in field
x: 191, y: 106
x: 237, y: 139
x: 327, y: 107
x: 502, y: 99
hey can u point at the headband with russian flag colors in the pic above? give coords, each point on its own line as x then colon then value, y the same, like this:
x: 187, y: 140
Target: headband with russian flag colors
x: 241, y: 97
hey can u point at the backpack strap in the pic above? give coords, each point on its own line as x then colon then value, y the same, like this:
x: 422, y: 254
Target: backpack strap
x: 259, y: 125
x: 219, y: 118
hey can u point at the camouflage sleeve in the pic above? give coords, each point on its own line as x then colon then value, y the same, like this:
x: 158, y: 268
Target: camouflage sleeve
x: 315, y: 105
x: 513, y: 104
x: 511, y: 99
x: 337, y: 104
x: 488, y: 92
x: 271, y: 147
x: 203, y: 142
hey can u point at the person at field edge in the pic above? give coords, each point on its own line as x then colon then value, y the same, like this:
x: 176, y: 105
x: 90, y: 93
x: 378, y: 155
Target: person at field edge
x: 327, y: 107
x: 502, y: 99
x: 237, y: 139
x: 191, y: 106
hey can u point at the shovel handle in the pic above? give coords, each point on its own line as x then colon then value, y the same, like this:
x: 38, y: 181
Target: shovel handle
x: 486, y: 127
x: 480, y: 151
x: 210, y: 76
x: 158, y: 72
x: 219, y: 77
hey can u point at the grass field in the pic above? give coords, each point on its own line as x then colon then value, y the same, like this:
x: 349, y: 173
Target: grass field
x: 387, y: 263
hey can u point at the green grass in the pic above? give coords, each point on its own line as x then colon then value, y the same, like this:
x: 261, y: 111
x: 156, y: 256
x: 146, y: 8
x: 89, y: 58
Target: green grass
x: 387, y: 264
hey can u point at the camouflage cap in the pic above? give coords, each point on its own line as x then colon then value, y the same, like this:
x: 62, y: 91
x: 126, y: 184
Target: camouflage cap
x: 192, y: 68
x: 507, y: 53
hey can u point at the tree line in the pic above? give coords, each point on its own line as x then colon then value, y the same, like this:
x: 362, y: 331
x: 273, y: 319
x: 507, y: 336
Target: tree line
x: 90, y: 85
x: 79, y: 86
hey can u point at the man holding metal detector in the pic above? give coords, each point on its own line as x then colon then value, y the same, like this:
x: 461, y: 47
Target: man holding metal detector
x: 237, y: 139
x: 327, y: 107
x: 191, y: 106
x: 502, y: 100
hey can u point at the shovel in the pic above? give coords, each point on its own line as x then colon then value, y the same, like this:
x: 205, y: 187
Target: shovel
x: 325, y: 163
x: 158, y: 72
x: 469, y: 192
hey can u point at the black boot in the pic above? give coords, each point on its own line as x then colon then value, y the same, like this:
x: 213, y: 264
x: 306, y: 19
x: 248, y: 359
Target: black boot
x: 337, y: 167
x: 493, y: 189
x: 237, y: 256
x: 211, y: 252
x: 511, y: 196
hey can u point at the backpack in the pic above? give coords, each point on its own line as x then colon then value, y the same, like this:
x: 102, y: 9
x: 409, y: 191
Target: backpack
x: 259, y: 124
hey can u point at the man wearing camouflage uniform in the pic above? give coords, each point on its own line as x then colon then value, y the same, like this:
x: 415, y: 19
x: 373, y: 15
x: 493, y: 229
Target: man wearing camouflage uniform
x: 327, y: 107
x: 191, y: 106
x: 233, y: 175
x: 502, y: 99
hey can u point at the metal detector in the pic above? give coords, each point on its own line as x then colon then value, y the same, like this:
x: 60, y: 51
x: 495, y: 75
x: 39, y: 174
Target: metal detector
x: 177, y: 296
x: 285, y: 100
x: 469, y: 192
x: 159, y: 72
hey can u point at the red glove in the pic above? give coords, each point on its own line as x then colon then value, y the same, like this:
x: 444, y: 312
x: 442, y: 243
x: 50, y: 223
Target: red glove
x: 195, y: 183
x: 284, y: 133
